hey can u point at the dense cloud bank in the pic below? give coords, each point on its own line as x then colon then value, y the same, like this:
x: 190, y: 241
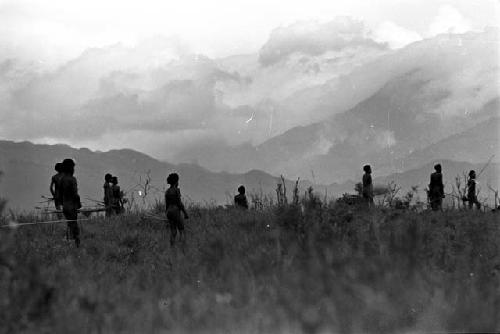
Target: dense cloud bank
x: 310, y: 38
x: 158, y: 98
x: 166, y: 94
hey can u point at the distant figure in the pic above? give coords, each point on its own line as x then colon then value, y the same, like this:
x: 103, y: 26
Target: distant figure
x: 471, y: 191
x: 436, y: 189
x: 117, y: 196
x: 240, y: 200
x: 70, y: 199
x: 174, y: 207
x: 108, y: 194
x: 54, y: 186
x: 367, y: 190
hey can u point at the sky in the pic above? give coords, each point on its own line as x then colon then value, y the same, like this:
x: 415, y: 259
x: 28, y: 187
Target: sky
x: 58, y: 30
x: 152, y: 74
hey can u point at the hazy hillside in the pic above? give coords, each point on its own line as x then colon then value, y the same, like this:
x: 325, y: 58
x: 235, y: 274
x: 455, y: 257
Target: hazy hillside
x: 476, y: 144
x: 392, y: 149
x: 418, y: 96
x: 27, y: 170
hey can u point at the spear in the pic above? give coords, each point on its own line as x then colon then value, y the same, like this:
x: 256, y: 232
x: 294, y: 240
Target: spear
x: 95, y: 201
x: 486, y: 165
x: 13, y: 225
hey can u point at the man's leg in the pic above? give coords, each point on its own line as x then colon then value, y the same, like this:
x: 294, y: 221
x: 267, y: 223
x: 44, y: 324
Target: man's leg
x: 173, y: 233
x: 108, y: 210
x: 73, y: 227
x: 180, y: 227
x: 59, y: 208
x: 433, y: 204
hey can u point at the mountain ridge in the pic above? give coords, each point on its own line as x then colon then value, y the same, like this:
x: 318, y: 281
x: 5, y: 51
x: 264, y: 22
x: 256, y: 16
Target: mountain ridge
x: 27, y: 169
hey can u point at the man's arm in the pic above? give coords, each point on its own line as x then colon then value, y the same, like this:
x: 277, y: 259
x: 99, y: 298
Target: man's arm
x: 166, y: 204
x: 52, y: 187
x: 75, y: 186
x: 76, y: 196
x: 441, y: 184
x: 106, y: 195
x: 181, y: 205
x: 120, y: 197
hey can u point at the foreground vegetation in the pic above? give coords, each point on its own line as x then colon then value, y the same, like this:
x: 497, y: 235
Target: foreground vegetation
x: 290, y: 269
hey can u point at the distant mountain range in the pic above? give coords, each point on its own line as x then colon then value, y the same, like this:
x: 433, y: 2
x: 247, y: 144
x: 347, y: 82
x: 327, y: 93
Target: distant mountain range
x: 28, y: 167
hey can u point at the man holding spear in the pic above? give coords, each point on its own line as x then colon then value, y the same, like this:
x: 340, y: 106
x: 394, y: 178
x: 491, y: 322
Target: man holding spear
x: 471, y: 191
x: 108, y: 194
x: 70, y: 199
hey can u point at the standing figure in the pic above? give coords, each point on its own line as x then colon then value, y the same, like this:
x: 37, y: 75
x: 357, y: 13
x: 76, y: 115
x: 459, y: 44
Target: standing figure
x: 108, y: 194
x: 436, y: 189
x: 367, y: 189
x: 117, y: 196
x: 471, y: 191
x: 54, y: 187
x: 240, y: 200
x: 174, y: 207
x: 70, y: 199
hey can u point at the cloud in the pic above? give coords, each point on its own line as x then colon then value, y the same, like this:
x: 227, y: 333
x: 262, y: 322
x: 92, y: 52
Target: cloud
x: 170, y: 99
x: 159, y: 88
x: 106, y: 93
x: 177, y: 105
x: 313, y: 38
x: 449, y: 20
x: 396, y: 36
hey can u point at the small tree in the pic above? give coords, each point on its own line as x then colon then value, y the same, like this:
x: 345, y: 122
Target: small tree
x: 358, y: 188
x: 144, y: 185
x: 257, y: 201
x: 3, y: 202
x: 459, y: 190
x: 496, y: 199
x: 392, y: 191
x: 296, y: 192
x: 281, y: 192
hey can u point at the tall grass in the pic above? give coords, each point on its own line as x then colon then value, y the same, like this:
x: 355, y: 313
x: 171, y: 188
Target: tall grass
x: 313, y: 268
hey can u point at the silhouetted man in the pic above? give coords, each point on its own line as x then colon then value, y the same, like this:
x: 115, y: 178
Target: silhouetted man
x: 70, y: 199
x: 367, y: 190
x: 174, y: 207
x: 436, y: 189
x: 54, y: 186
x: 240, y: 200
x: 116, y: 200
x: 471, y: 191
x: 108, y: 194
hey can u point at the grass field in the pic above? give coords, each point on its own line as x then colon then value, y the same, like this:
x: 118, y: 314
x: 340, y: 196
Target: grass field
x: 322, y: 269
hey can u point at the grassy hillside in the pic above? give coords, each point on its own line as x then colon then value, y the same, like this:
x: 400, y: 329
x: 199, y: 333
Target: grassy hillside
x: 326, y: 269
